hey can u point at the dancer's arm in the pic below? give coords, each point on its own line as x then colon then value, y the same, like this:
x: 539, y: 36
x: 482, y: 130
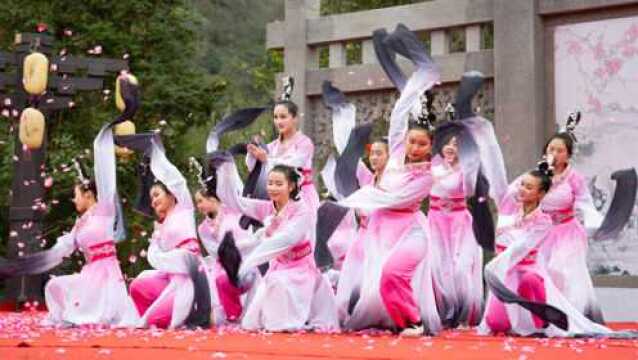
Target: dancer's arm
x: 287, y: 236
x: 229, y: 190
x: 104, y: 167
x: 170, y: 176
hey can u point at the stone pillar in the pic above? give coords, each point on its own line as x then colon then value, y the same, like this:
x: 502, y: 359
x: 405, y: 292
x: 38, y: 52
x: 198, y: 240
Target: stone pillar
x: 519, y: 83
x: 297, y: 54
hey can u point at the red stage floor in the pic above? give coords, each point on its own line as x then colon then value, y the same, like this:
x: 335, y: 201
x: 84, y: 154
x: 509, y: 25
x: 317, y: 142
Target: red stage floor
x: 22, y: 338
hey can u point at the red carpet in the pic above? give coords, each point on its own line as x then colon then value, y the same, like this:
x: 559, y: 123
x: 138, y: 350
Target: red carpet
x: 22, y: 338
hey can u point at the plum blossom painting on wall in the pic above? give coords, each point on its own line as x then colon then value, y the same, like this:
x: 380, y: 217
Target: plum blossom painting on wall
x: 596, y: 72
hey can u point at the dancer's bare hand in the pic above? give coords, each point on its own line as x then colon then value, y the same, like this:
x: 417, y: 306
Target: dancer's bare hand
x: 257, y: 152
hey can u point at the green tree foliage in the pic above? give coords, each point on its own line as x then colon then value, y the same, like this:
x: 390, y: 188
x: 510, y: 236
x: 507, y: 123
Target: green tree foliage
x: 167, y: 44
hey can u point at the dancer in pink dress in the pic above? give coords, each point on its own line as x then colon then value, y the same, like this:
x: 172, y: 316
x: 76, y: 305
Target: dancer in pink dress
x: 396, y: 290
x: 343, y: 171
x: 468, y: 168
x: 565, y: 249
x: 450, y: 222
x: 97, y: 294
x: 219, y: 220
x: 352, y: 268
x: 176, y: 292
x: 291, y: 148
x: 292, y: 295
x: 519, y: 275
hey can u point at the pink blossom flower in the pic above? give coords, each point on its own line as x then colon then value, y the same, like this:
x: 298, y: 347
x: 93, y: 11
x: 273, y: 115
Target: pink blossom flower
x: 613, y: 65
x: 632, y: 33
x: 599, y: 51
x: 574, y: 48
x: 594, y: 103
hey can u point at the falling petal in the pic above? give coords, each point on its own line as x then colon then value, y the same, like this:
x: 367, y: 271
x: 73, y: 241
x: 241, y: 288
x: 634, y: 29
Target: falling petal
x: 68, y: 32
x: 125, y: 56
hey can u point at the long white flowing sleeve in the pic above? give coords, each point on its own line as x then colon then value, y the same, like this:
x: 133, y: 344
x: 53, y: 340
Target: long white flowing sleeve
x: 287, y: 236
x: 229, y: 189
x: 170, y: 176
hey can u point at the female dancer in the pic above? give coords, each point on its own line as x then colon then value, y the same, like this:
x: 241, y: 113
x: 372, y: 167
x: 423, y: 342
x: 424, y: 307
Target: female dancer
x: 396, y: 243
x: 177, y: 291
x: 291, y: 148
x: 97, y: 295
x: 292, y: 295
x: 566, y: 247
x: 218, y: 221
x: 519, y: 276
x: 352, y: 268
x: 450, y: 222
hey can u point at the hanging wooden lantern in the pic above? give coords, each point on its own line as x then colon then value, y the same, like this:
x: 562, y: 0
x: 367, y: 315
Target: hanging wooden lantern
x: 35, y: 73
x: 119, y: 100
x: 125, y: 128
x: 32, y: 128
